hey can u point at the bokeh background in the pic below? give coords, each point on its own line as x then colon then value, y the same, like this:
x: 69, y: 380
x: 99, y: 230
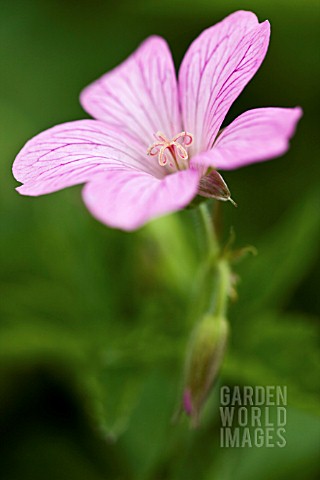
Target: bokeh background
x: 93, y: 320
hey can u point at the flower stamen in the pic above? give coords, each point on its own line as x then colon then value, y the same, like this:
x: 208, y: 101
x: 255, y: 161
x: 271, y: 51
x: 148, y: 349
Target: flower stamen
x: 177, y: 147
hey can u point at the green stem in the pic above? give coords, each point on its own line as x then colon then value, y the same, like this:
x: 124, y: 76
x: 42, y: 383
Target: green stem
x: 215, y: 271
x: 219, y: 305
x: 211, y: 237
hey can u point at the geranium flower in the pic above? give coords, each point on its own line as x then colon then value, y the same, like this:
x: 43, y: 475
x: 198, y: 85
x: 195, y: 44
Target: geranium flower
x: 156, y: 141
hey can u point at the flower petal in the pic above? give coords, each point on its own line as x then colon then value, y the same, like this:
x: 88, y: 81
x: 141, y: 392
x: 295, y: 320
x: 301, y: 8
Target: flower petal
x: 214, y: 71
x: 140, y: 96
x: 254, y: 136
x: 128, y: 199
x: 73, y: 153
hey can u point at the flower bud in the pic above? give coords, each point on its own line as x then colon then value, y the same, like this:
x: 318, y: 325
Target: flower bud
x: 213, y: 185
x: 205, y: 355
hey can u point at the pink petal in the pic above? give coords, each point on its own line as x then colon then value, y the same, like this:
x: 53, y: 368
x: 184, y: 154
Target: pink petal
x: 214, y: 71
x: 254, y: 136
x: 127, y: 199
x: 75, y: 152
x: 140, y: 96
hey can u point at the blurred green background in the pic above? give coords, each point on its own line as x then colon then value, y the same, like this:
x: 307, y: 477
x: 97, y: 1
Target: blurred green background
x: 93, y: 320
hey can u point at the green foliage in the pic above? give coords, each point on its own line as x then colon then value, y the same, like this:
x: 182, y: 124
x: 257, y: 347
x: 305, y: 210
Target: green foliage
x: 94, y: 322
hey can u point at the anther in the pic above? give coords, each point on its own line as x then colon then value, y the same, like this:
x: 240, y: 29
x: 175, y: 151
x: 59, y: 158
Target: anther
x: 177, y: 147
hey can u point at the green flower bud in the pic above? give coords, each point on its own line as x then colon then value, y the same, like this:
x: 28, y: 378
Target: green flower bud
x: 204, y: 359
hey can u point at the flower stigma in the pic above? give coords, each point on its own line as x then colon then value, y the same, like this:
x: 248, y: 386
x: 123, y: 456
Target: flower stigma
x: 170, y: 151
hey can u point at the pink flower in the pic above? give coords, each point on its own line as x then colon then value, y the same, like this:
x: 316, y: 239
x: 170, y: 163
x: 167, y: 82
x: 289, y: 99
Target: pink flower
x: 156, y: 142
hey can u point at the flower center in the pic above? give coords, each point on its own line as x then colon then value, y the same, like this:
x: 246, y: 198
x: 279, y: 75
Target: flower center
x: 171, y: 152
